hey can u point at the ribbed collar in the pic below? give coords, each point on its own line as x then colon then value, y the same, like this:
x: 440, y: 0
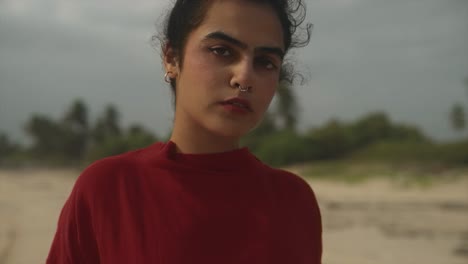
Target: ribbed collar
x: 234, y: 160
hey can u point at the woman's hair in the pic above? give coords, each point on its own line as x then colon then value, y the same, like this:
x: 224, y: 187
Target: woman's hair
x: 187, y: 15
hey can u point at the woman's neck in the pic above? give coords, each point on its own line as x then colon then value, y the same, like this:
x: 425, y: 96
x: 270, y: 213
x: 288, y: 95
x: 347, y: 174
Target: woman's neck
x: 191, y: 138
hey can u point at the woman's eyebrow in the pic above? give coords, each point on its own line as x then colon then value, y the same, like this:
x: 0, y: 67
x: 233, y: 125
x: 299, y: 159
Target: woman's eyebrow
x: 225, y: 37
x: 277, y: 51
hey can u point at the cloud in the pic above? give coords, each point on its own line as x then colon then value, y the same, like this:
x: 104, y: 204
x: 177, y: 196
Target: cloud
x: 86, y: 13
x: 406, y: 57
x: 54, y: 51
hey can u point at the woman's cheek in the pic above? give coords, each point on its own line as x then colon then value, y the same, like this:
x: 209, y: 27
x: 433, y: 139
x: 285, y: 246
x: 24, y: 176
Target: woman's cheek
x: 203, y: 64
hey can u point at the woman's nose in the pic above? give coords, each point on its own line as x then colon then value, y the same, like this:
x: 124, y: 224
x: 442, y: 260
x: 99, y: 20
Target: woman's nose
x: 243, y: 74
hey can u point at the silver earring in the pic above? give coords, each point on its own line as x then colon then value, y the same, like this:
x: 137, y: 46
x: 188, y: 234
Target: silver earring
x: 167, y: 78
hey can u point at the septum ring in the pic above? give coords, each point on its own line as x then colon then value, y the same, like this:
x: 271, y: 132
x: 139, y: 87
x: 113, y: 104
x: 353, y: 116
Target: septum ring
x: 243, y: 89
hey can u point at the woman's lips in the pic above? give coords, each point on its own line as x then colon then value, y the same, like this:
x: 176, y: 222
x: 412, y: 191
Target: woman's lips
x: 237, y: 105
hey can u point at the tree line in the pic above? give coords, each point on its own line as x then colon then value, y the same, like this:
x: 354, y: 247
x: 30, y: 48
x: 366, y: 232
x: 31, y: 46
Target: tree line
x: 74, y: 140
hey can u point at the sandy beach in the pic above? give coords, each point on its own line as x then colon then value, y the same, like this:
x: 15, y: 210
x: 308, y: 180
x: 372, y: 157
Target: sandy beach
x: 374, y: 222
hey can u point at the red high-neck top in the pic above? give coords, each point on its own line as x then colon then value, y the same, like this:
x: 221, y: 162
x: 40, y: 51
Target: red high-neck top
x: 157, y: 206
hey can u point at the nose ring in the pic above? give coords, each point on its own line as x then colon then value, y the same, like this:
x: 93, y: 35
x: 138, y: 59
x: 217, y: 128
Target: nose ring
x: 243, y: 88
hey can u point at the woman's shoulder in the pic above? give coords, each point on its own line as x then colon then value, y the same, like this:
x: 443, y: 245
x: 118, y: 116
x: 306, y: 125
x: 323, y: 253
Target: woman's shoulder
x: 293, y: 180
x: 104, y: 172
x: 286, y: 180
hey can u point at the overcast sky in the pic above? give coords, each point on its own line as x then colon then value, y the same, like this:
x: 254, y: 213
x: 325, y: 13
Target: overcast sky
x: 405, y: 57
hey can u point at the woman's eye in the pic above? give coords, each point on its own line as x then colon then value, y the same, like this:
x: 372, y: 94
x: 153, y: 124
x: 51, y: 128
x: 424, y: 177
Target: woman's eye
x: 221, y: 51
x: 270, y: 66
x: 266, y: 63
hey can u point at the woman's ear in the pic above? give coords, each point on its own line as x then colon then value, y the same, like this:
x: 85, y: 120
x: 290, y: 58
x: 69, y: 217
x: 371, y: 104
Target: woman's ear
x: 171, y: 63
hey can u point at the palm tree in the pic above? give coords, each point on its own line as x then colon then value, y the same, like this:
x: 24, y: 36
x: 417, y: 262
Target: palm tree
x: 77, y: 116
x: 107, y: 125
x: 75, y: 130
x: 286, y: 106
x: 458, y: 117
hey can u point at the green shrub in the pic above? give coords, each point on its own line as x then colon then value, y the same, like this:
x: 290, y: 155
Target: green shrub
x: 456, y: 152
x: 136, y: 137
x: 283, y: 148
x: 332, y: 141
x: 399, y: 151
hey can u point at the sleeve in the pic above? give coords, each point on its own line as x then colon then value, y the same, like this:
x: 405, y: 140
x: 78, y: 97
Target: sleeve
x: 316, y: 226
x: 74, y: 240
x: 308, y: 211
x: 301, y: 214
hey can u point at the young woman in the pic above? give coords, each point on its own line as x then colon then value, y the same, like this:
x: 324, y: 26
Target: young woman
x: 199, y: 198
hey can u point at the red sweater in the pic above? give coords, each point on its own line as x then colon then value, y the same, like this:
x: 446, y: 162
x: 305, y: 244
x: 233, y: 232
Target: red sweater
x: 157, y: 206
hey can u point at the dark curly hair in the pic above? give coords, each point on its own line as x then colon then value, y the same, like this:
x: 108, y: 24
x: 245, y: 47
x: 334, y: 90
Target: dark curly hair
x: 186, y: 15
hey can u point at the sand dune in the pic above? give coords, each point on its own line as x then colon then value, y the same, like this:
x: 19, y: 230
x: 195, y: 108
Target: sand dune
x: 372, y: 222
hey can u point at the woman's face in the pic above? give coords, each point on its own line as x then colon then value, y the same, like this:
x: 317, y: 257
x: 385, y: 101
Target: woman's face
x: 238, y: 43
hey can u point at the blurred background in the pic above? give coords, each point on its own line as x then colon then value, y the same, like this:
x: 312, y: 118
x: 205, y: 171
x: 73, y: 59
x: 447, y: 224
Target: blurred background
x: 377, y: 125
